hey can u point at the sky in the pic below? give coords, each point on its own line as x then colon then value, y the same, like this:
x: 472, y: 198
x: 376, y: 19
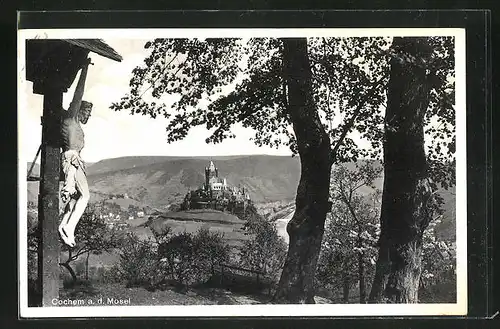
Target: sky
x: 110, y: 134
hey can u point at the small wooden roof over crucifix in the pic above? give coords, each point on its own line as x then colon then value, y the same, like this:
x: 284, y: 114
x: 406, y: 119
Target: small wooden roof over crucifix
x: 52, y: 64
x: 97, y: 46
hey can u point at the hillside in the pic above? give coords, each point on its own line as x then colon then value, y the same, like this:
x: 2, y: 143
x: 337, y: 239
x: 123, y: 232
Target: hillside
x: 165, y: 180
x: 114, y: 164
x: 192, y: 220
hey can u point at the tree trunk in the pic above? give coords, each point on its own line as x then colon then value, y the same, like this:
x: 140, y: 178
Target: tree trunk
x: 306, y: 227
x: 404, y: 214
x: 361, y: 274
x: 345, y: 284
x: 68, y: 267
x: 87, y: 266
x: 70, y: 270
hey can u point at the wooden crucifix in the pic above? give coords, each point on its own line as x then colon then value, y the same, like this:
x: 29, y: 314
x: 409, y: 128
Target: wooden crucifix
x: 52, y: 66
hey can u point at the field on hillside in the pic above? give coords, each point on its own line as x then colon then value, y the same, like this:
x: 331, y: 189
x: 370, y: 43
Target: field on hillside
x: 192, y: 220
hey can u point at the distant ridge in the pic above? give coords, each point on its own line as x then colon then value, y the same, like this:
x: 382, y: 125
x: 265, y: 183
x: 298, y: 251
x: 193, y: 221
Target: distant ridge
x: 114, y: 164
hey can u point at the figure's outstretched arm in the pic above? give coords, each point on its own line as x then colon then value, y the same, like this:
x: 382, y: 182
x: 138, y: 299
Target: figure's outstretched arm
x: 75, y: 104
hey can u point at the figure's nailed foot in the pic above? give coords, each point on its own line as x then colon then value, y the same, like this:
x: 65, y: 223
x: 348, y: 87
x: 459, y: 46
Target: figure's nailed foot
x: 65, y: 196
x: 67, y: 193
x: 66, y: 239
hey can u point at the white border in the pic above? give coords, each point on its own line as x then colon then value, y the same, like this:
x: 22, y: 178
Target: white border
x: 460, y: 308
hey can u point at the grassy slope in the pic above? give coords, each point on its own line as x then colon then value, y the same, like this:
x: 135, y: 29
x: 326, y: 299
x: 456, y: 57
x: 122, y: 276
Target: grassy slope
x: 191, y: 221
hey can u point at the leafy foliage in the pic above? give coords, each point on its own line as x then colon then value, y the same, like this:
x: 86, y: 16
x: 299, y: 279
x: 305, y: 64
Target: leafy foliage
x: 182, y: 258
x: 439, y: 258
x: 179, y: 252
x: 211, y: 250
x: 353, y: 228
x: 440, y: 117
x: 138, y: 264
x: 347, y: 235
x: 265, y: 251
x: 218, y: 83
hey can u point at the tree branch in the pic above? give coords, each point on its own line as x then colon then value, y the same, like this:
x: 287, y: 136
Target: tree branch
x: 350, y: 207
x: 348, y: 126
x: 70, y: 253
x: 161, y: 74
x: 81, y: 252
x: 358, y: 186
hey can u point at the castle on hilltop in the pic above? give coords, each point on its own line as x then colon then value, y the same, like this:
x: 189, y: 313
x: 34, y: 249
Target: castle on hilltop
x: 217, y: 187
x: 216, y: 193
x: 212, y: 181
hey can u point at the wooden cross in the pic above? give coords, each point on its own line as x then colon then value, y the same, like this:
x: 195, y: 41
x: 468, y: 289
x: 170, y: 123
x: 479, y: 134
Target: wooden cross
x: 52, y: 66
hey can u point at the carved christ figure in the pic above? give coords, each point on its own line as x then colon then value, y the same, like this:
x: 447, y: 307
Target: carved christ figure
x: 75, y: 191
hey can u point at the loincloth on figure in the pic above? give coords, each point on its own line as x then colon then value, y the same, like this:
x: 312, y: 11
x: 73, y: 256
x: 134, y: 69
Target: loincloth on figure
x: 71, y: 159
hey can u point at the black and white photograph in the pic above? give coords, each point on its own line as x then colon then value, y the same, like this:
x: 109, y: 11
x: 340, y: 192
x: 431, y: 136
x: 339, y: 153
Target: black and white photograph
x: 242, y: 172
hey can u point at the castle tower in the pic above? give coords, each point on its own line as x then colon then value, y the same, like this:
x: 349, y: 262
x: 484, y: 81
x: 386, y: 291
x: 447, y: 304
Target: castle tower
x: 210, y: 171
x: 207, y: 178
x: 213, y: 169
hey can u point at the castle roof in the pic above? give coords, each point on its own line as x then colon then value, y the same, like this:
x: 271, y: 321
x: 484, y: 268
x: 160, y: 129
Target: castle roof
x: 212, y: 166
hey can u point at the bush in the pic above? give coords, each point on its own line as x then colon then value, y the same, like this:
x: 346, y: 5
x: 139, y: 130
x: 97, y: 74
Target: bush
x: 109, y: 275
x: 192, y: 258
x: 266, y: 251
x: 80, y: 269
x: 438, y: 278
x: 138, y: 264
x: 178, y: 253
x: 183, y: 258
x: 211, y: 251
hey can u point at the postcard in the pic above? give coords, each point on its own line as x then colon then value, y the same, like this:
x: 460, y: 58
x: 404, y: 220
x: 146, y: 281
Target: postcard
x: 242, y: 172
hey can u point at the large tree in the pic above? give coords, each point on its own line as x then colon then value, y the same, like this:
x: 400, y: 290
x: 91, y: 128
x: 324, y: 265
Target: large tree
x: 420, y: 67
